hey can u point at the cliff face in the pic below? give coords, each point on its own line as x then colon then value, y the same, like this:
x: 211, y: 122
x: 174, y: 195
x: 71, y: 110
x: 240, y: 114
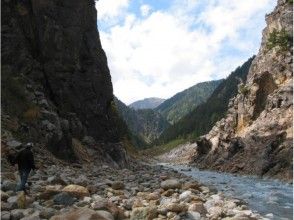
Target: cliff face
x: 256, y: 135
x: 56, y: 86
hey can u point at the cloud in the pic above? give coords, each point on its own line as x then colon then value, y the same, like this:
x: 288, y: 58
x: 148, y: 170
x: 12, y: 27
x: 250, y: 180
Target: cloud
x: 109, y: 9
x: 145, y: 10
x: 167, y: 51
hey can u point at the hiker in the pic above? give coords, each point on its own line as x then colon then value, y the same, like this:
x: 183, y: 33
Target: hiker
x: 25, y: 162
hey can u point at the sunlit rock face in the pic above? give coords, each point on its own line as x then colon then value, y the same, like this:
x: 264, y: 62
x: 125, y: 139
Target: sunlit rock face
x: 256, y: 135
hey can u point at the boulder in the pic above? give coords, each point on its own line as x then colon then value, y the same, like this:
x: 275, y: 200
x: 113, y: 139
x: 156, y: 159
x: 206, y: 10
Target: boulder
x: 84, y: 214
x: 76, y: 190
x: 170, y: 184
x: 197, y: 207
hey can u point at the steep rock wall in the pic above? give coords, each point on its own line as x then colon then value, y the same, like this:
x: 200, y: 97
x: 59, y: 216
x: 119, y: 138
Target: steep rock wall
x: 56, y: 85
x: 256, y: 135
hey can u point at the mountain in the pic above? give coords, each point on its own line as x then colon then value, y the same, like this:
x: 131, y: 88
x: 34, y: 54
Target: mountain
x: 204, y: 116
x: 256, y: 134
x: 145, y: 125
x: 56, y: 85
x: 148, y: 103
x: 174, y: 108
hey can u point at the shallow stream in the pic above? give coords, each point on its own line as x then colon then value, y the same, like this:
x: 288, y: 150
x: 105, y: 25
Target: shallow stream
x: 262, y: 195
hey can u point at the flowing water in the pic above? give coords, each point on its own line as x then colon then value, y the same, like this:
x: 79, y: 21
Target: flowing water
x: 262, y: 195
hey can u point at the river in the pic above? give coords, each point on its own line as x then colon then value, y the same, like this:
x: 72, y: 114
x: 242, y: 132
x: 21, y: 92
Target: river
x: 262, y: 195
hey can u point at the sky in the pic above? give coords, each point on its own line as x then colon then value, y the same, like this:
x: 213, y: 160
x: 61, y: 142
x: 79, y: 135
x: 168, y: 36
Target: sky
x: 156, y: 48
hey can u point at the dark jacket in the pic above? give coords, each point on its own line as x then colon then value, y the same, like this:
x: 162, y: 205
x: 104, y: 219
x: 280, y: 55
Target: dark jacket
x: 25, y: 160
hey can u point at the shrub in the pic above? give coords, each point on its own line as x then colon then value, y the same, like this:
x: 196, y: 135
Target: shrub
x: 281, y: 39
x: 243, y: 89
x: 32, y: 114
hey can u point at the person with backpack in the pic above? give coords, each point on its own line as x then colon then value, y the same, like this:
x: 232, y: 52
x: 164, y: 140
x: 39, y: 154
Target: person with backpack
x: 25, y: 163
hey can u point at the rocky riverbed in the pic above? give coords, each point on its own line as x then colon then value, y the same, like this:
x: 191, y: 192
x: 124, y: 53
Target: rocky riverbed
x: 141, y: 192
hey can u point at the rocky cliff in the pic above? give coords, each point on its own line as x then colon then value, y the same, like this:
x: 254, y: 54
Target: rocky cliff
x: 256, y: 135
x: 56, y: 86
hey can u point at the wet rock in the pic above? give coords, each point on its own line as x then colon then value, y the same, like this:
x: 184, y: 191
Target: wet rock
x: 144, y: 213
x: 76, y: 190
x: 64, y: 198
x: 170, y: 184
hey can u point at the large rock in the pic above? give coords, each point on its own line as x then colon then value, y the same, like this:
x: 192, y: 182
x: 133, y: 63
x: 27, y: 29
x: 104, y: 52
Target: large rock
x: 117, y: 185
x: 170, y: 184
x: 76, y: 190
x: 84, y: 214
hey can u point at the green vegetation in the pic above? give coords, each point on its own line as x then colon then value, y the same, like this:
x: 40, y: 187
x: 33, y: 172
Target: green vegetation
x: 144, y: 125
x: 290, y: 1
x: 280, y: 39
x: 243, y: 89
x: 186, y: 101
x: 158, y: 150
x: 203, y: 118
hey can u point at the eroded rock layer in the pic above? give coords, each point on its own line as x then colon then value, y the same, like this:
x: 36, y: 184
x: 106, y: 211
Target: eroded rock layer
x: 256, y: 135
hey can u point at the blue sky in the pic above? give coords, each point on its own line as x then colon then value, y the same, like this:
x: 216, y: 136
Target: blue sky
x: 156, y: 48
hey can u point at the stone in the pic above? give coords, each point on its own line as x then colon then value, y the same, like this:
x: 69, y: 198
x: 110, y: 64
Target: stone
x: 47, y: 213
x: 197, y: 207
x: 185, y: 195
x: 50, y: 191
x: 5, y: 215
x: 56, y: 180
x: 144, y: 213
x: 177, y: 207
x: 4, y: 196
x: 170, y: 184
x: 117, y: 185
x: 153, y: 196
x: 191, y: 185
x: 84, y: 214
x: 193, y: 215
x: 76, y: 190
x: 64, y: 198
x: 8, y: 185
x: 14, y: 144
x: 17, y: 214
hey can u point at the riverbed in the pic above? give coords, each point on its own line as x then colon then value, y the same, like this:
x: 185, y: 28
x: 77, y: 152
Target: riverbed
x: 271, y: 198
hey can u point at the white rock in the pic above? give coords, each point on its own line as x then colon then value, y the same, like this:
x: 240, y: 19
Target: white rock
x: 185, y: 195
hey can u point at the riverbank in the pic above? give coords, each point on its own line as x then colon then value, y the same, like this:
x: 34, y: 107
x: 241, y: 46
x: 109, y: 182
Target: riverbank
x: 72, y: 191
